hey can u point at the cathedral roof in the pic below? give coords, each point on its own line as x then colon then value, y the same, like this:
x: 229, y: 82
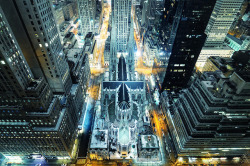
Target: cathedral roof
x: 123, y: 93
x: 122, y: 74
x: 129, y: 84
x: 123, y: 97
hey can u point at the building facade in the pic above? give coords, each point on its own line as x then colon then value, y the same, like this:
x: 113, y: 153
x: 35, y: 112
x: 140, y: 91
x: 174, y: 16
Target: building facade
x: 86, y: 9
x: 43, y: 42
x: 33, y: 120
x: 236, y: 44
x: 151, y: 51
x: 59, y: 16
x: 211, y: 117
x: 34, y: 117
x: 206, y: 52
x: 68, y: 11
x: 187, y: 40
x: 239, y: 61
x: 148, y: 147
x: 222, y: 17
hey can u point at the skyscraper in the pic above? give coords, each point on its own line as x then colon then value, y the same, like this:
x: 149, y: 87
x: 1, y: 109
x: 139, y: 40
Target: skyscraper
x: 152, y: 11
x: 33, y: 120
x: 226, y: 65
x: 34, y: 23
x: 222, y: 17
x: 187, y: 38
x: 87, y: 11
x: 169, y: 25
x: 211, y: 117
x: 122, y: 38
x: 15, y: 72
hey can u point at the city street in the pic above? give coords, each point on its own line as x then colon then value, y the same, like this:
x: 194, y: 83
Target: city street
x: 93, y: 92
x: 98, y: 52
x: 157, y: 123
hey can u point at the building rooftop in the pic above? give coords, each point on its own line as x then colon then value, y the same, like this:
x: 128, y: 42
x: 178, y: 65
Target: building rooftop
x: 124, y: 135
x: 130, y: 84
x: 123, y: 94
x: 64, y: 26
x: 34, y: 84
x: 56, y: 128
x: 146, y: 119
x: 122, y: 72
x: 73, y: 89
x: 99, y: 139
x: 69, y: 35
x: 89, y: 35
x: 245, y: 75
x: 49, y: 110
x: 238, y: 41
x: 149, y: 141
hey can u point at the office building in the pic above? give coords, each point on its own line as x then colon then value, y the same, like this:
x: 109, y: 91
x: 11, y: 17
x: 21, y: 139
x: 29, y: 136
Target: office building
x: 221, y: 19
x: 107, y: 51
x: 238, y: 62
x: 215, y: 63
x: 206, y: 52
x: 89, y: 46
x: 151, y: 49
x: 35, y: 29
x: 211, y: 118
x: 86, y: 9
x: 121, y: 25
x: 169, y: 25
x: 13, y: 63
x: 187, y: 39
x: 242, y: 43
x: 148, y: 147
x: 59, y: 16
x: 68, y: 11
x: 152, y: 12
x: 79, y: 70
x: 33, y: 120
